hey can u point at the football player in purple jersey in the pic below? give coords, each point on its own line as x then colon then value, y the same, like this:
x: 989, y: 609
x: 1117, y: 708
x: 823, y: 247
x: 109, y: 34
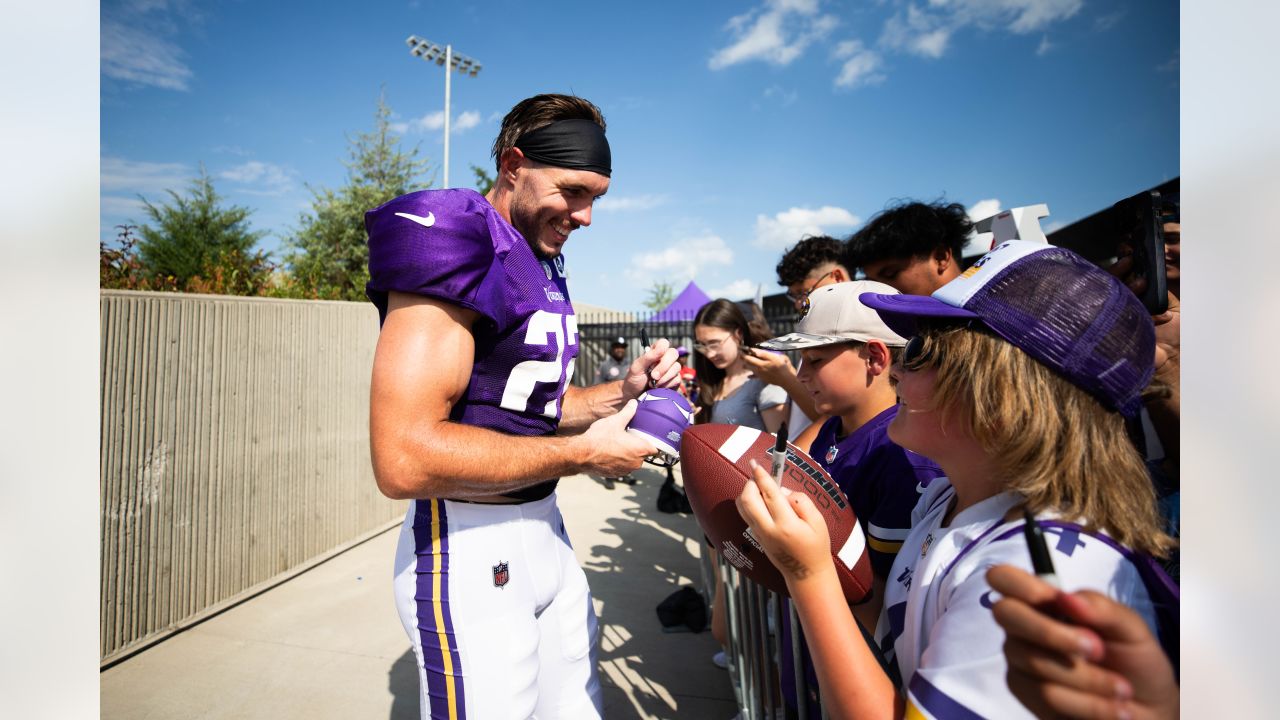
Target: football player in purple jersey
x: 473, y: 419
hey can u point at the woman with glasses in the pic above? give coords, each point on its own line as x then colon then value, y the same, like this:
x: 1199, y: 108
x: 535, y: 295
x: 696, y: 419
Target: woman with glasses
x: 1016, y: 381
x: 728, y: 392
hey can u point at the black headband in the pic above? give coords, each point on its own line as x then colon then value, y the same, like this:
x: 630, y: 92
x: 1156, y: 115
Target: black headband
x: 574, y: 144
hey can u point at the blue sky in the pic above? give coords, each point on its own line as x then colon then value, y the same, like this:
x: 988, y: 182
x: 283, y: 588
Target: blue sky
x: 736, y: 128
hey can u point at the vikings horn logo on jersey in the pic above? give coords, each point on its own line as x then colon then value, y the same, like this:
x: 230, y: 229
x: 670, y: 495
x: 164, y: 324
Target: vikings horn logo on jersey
x: 500, y: 575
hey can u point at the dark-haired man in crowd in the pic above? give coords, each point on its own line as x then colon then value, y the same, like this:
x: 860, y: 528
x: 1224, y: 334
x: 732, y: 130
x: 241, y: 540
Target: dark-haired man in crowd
x: 816, y: 261
x: 914, y: 247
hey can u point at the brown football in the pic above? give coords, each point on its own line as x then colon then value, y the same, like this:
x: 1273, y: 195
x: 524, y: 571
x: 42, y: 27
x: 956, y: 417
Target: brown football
x: 716, y: 466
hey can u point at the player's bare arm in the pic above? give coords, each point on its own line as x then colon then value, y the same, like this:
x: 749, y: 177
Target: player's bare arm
x: 419, y: 453
x: 657, y: 367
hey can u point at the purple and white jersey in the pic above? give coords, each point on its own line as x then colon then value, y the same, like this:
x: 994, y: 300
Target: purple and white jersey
x: 453, y: 246
x: 937, y: 624
x: 882, y: 480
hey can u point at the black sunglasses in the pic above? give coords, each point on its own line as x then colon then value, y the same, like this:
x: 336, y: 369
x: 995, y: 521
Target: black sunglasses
x: 916, y: 355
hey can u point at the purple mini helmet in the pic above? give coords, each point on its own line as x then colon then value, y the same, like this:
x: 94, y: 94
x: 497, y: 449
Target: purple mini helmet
x: 661, y: 419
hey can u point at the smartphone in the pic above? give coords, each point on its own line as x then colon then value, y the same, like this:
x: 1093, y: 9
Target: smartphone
x: 1127, y: 239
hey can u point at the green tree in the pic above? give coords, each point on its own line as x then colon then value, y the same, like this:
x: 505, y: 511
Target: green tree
x: 484, y: 181
x: 191, y: 234
x: 329, y: 252
x: 660, y: 295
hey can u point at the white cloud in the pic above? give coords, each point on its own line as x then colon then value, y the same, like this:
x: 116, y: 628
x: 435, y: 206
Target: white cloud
x: 272, y: 179
x: 115, y: 206
x: 131, y: 176
x: 782, y: 96
x: 1045, y: 46
x: 927, y: 33
x: 612, y: 203
x: 681, y: 261
x: 984, y: 209
x: 860, y: 65
x: 137, y: 46
x: 1103, y: 23
x: 789, y: 226
x: 778, y: 33
x: 742, y: 289
x: 433, y: 121
x: 917, y: 32
x: 466, y: 121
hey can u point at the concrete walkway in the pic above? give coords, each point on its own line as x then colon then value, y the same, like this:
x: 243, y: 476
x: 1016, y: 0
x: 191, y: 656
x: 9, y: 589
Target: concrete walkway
x: 328, y: 644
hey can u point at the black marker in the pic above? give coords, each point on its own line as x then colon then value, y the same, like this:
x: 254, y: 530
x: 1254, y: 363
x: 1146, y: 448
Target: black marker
x: 1040, y: 560
x: 644, y: 341
x: 780, y: 454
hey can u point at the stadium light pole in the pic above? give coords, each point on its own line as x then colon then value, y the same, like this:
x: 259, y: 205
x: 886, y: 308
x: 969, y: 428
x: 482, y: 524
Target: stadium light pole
x: 445, y: 56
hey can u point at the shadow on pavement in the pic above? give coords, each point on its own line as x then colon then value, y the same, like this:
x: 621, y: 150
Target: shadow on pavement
x: 402, y: 682
x: 670, y: 674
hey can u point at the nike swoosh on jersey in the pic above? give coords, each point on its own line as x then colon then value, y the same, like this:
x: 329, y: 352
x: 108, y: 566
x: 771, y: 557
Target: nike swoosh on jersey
x: 427, y: 221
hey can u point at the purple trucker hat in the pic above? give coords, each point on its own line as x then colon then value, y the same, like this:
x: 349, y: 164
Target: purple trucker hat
x: 1057, y: 307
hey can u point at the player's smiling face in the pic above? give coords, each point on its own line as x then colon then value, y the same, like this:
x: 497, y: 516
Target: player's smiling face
x: 548, y: 203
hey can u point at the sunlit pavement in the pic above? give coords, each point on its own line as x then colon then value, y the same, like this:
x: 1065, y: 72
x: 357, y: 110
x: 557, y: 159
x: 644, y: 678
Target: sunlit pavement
x: 328, y: 644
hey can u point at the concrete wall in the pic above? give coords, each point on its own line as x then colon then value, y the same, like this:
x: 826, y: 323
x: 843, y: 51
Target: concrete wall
x: 234, y: 449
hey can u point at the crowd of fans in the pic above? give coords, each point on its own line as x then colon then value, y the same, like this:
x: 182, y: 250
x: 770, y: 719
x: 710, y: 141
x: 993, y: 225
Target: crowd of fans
x: 953, y: 407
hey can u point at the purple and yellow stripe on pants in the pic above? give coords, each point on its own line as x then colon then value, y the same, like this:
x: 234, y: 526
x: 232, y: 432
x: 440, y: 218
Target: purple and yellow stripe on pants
x: 440, y: 656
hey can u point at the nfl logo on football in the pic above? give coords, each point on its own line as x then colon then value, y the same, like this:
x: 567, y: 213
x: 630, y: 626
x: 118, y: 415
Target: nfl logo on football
x: 500, y: 575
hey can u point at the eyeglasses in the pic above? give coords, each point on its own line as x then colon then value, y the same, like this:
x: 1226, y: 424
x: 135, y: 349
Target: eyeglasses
x: 918, y: 354
x: 804, y: 295
x: 713, y: 346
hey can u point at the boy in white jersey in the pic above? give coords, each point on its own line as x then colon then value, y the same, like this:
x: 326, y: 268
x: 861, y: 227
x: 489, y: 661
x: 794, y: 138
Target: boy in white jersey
x: 1015, y: 381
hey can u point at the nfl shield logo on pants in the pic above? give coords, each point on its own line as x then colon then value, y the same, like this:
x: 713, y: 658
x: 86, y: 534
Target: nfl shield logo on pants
x: 500, y: 574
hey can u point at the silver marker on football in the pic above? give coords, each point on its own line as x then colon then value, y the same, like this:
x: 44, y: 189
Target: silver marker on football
x: 780, y: 454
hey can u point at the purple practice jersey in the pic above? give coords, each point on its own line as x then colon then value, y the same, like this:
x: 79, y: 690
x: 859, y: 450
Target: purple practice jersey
x: 453, y: 246
x: 882, y: 480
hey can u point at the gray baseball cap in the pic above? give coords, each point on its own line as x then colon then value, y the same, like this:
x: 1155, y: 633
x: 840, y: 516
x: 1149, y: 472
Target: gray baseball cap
x: 836, y: 315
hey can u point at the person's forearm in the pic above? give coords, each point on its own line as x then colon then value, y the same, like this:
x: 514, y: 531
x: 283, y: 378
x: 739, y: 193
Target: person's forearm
x: 582, y: 406
x: 447, y: 459
x: 853, y: 685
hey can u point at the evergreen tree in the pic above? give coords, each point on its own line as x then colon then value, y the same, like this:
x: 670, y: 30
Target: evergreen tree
x: 660, y: 295
x: 484, y: 181
x: 191, y: 234
x: 329, y: 255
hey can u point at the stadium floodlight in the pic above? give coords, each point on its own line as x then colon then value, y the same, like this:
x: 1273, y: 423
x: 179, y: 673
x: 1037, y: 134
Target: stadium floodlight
x: 443, y: 56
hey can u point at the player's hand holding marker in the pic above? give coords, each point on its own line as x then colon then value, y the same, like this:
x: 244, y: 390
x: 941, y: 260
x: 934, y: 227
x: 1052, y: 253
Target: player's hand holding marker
x: 1079, y: 654
x: 657, y: 366
x: 789, y: 528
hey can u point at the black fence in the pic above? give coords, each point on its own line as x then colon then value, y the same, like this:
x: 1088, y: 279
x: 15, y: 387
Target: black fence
x: 597, y: 331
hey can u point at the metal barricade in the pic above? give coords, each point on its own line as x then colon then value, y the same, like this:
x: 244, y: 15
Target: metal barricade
x: 754, y: 617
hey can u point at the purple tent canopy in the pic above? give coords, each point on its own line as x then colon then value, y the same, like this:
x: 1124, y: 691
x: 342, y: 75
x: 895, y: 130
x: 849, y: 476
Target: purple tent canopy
x: 684, y: 307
